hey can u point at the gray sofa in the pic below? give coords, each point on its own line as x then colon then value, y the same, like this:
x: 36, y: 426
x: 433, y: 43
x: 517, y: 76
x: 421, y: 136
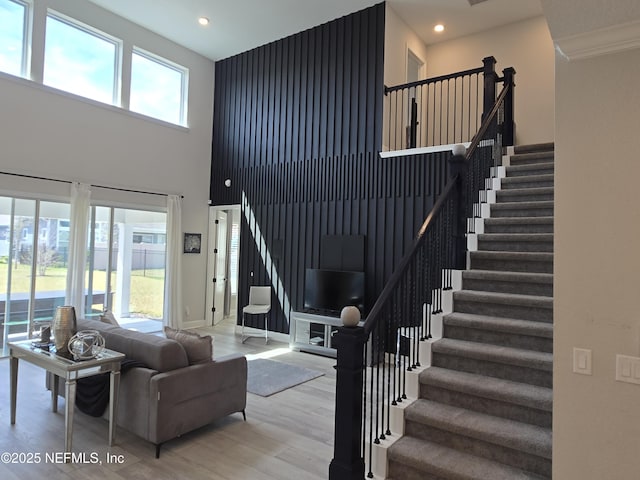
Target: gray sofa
x: 171, y: 397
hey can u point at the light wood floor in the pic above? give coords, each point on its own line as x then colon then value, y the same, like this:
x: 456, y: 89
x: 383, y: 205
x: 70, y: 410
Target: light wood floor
x: 286, y: 436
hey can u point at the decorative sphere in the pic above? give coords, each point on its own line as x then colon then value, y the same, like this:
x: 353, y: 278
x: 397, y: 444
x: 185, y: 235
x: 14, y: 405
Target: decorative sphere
x: 86, y: 344
x: 350, y: 316
x: 458, y: 149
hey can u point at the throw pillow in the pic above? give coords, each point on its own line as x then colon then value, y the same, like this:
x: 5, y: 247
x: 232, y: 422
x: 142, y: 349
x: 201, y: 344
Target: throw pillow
x: 199, y: 349
x: 108, y: 317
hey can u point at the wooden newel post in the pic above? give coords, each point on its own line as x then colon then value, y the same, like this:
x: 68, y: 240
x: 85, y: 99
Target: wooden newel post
x: 509, y: 135
x: 347, y: 463
x: 490, y: 79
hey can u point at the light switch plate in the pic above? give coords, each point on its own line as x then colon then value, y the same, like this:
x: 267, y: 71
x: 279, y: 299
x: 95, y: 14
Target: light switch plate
x: 628, y: 369
x: 582, y: 361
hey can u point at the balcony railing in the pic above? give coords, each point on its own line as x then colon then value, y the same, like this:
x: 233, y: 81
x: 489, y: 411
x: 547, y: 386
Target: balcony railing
x: 442, y: 110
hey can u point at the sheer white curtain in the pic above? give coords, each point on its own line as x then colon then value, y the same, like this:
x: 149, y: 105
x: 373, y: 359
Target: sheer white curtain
x: 173, y: 273
x: 78, y: 233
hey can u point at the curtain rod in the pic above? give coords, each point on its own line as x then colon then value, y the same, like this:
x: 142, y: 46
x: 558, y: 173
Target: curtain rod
x: 93, y: 185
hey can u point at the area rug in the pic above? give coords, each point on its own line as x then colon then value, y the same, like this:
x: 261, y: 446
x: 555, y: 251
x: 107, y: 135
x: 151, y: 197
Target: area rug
x: 266, y: 377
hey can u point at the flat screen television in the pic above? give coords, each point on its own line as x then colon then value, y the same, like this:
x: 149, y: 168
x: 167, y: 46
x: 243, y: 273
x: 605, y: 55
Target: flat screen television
x: 328, y: 291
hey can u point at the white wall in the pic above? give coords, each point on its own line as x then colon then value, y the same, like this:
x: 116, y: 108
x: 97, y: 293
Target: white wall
x: 597, y: 225
x: 398, y: 38
x: 572, y: 17
x: 526, y: 46
x: 52, y: 134
x: 596, y: 428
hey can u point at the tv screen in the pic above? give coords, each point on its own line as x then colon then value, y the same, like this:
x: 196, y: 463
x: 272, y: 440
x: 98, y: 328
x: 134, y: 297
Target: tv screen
x: 329, y: 291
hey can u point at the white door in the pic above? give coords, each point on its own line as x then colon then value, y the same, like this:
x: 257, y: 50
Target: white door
x: 217, y: 271
x: 415, y: 72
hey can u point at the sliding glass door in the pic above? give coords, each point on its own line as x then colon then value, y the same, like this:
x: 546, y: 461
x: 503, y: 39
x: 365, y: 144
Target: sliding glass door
x: 127, y: 255
x: 125, y: 271
x: 34, y: 241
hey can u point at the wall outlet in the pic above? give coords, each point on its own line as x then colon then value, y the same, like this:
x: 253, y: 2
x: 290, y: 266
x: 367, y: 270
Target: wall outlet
x: 628, y: 369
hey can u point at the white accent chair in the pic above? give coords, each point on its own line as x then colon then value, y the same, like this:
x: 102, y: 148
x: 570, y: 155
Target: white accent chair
x: 259, y: 304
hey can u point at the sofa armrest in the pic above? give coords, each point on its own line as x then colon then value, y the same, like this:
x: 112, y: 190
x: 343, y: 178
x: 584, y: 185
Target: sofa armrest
x: 133, y: 400
x: 190, y: 397
x: 196, y: 380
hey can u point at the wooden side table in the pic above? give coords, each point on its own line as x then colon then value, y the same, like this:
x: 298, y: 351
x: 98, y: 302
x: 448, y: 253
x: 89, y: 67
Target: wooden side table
x: 70, y: 370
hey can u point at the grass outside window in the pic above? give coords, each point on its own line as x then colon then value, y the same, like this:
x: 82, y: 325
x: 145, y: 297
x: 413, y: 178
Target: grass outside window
x: 147, y: 286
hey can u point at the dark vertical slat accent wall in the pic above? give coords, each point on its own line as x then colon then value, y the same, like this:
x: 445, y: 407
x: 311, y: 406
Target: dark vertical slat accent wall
x: 297, y: 129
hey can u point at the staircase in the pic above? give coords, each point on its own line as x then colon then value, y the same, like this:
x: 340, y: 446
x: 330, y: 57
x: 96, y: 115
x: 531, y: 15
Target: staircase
x: 485, y: 406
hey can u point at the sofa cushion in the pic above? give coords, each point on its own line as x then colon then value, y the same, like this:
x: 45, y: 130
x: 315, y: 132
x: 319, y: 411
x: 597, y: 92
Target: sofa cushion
x: 199, y: 349
x: 158, y: 353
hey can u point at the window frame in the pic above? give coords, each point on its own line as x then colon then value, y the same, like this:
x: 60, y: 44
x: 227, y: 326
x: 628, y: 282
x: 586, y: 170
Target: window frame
x: 116, y: 99
x: 184, y: 84
x: 25, y: 55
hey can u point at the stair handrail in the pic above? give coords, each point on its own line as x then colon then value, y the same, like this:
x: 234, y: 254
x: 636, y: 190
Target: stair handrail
x: 458, y: 200
x: 440, y: 78
x: 486, y: 123
x: 372, y: 317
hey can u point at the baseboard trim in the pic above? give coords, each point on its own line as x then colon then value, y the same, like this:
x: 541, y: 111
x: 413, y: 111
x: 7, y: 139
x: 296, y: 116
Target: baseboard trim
x: 194, y: 324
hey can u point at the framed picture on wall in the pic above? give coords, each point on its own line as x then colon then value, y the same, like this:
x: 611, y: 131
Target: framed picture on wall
x: 192, y: 242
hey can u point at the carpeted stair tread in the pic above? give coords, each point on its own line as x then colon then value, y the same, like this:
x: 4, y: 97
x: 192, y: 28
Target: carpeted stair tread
x: 520, y: 221
x: 527, y: 181
x: 535, y: 148
x: 494, y: 353
x: 541, y: 208
x: 525, y: 194
x: 517, y: 261
x: 531, y: 256
x: 511, y: 434
x: 442, y: 462
x: 492, y: 276
x: 529, y: 169
x: 507, y: 305
x: 516, y: 237
x: 507, y: 391
x: 526, y: 283
x: 522, y: 205
x: 533, y: 301
x: 516, y: 242
x: 499, y: 324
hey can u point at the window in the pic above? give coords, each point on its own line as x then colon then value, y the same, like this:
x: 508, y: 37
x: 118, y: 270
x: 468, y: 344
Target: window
x: 122, y: 275
x: 33, y: 265
x: 13, y: 37
x: 81, y: 60
x: 126, y: 275
x: 158, y: 88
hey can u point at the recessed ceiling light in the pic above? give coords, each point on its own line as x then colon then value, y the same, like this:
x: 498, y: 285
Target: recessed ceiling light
x: 203, y: 21
x: 438, y: 28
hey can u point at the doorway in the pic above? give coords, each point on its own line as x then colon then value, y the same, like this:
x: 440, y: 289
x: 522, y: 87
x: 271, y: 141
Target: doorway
x: 222, y: 265
x: 415, y: 72
x: 415, y: 67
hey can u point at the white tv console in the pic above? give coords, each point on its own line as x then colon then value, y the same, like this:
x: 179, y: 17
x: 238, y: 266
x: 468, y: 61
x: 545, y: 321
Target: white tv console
x: 313, y: 333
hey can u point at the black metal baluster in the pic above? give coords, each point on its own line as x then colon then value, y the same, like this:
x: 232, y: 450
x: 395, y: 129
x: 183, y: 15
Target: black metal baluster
x: 364, y: 401
x: 388, y: 359
x: 448, y: 105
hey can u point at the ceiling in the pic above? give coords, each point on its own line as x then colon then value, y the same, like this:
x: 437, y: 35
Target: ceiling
x: 240, y: 25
